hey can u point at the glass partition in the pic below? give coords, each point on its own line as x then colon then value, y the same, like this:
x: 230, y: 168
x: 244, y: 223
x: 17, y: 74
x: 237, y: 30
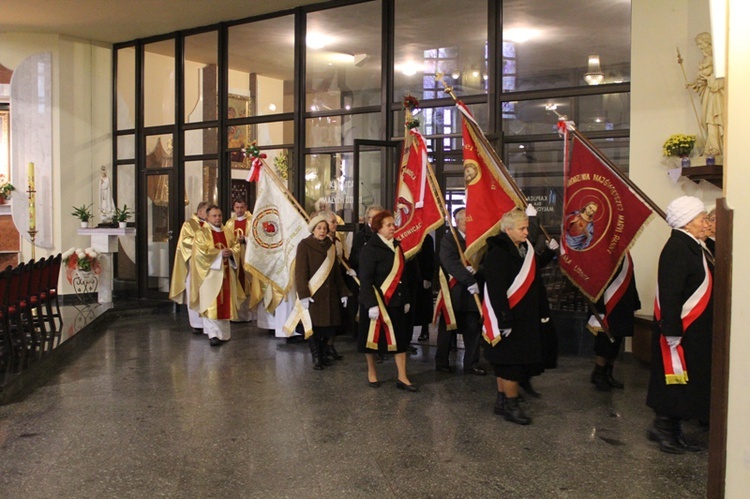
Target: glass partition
x: 344, y: 57
x: 329, y: 182
x: 201, y: 82
x: 201, y: 181
x: 159, y: 83
x: 332, y: 131
x: 125, y: 88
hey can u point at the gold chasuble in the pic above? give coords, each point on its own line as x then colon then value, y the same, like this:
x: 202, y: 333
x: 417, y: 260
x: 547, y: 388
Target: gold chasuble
x: 215, y: 289
x: 250, y: 286
x: 182, y: 257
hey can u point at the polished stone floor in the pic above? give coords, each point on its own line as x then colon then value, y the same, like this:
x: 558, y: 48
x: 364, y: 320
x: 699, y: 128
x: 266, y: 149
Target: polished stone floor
x: 150, y: 410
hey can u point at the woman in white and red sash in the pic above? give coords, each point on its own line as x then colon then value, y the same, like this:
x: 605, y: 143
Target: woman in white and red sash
x: 680, y: 383
x: 511, y: 310
x: 384, y: 300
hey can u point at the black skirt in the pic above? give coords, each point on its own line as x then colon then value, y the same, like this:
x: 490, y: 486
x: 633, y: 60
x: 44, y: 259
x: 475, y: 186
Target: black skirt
x: 402, y: 328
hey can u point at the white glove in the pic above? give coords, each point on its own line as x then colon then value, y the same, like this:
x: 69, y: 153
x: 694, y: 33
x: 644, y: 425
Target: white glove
x: 505, y: 332
x: 427, y: 284
x: 407, y: 307
x: 471, y: 269
x: 473, y: 289
x: 673, y: 341
x: 530, y: 210
x: 344, y: 300
x: 306, y: 302
x: 552, y: 244
x: 351, y: 272
x: 373, y: 313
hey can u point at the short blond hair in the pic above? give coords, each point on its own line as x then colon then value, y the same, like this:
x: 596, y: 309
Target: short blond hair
x: 511, y: 218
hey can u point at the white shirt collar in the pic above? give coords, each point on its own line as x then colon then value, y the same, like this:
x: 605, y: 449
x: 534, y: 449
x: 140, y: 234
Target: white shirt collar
x: 241, y: 218
x: 388, y: 242
x: 462, y: 233
x: 692, y: 236
x: 214, y: 228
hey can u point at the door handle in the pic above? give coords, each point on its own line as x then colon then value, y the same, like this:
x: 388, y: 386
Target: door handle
x: 170, y: 234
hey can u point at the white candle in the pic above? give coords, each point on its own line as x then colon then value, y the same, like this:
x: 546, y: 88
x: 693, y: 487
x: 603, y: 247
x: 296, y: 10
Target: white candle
x: 32, y: 198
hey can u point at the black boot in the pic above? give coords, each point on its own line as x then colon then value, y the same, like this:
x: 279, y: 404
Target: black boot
x: 333, y: 353
x: 315, y: 351
x: 500, y: 404
x: 526, y: 385
x: 679, y: 437
x: 425, y: 334
x: 322, y: 348
x: 611, y: 380
x: 599, y: 378
x: 514, y: 413
x: 662, y: 431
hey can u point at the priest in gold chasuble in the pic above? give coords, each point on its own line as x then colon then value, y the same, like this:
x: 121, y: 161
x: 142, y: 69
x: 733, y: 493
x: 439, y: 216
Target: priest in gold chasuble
x: 238, y: 224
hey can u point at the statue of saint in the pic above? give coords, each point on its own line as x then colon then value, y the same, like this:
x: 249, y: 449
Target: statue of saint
x: 106, y: 204
x: 711, y: 92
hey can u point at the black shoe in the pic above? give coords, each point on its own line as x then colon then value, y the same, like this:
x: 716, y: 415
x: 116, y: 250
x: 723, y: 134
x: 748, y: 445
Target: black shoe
x: 444, y: 369
x: 214, y: 342
x: 373, y: 384
x: 411, y: 349
x: 295, y: 338
x: 526, y: 385
x: 479, y: 371
x: 611, y: 381
x: 197, y: 330
x: 661, y: 431
x: 499, y: 408
x: 599, y: 378
x: 423, y: 337
x: 403, y: 386
x: 679, y: 437
x: 514, y: 413
x: 333, y: 353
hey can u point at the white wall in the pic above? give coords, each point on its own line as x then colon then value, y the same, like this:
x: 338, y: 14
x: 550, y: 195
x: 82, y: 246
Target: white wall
x: 660, y: 106
x: 81, y: 126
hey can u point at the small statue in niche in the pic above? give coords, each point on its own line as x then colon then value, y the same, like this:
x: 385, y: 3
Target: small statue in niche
x: 106, y: 203
x: 711, y: 92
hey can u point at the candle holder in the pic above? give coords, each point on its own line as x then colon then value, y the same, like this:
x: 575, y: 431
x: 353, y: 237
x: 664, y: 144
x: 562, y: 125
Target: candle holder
x: 32, y: 220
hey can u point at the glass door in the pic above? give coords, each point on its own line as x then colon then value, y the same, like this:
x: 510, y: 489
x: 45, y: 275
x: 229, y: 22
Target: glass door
x: 375, y: 170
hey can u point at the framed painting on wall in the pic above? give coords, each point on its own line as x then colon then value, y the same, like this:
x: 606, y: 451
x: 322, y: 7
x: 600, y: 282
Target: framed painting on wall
x: 238, y: 135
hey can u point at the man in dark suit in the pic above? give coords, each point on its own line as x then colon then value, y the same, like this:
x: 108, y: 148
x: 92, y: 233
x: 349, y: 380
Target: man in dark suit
x: 468, y: 319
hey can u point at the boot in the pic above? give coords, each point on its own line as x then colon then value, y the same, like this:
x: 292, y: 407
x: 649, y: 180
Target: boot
x: 526, y: 385
x: 500, y: 404
x: 315, y: 351
x: 679, y: 437
x: 514, y: 413
x: 425, y: 334
x: 322, y: 348
x: 662, y: 431
x: 610, y: 379
x: 333, y: 353
x: 599, y: 378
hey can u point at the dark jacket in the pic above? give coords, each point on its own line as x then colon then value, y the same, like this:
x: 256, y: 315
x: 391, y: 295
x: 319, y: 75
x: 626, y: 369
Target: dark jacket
x: 621, y: 319
x: 425, y: 262
x: 450, y: 260
x: 375, y: 264
x: 358, y: 242
x: 499, y: 268
x: 325, y: 310
x: 681, y: 272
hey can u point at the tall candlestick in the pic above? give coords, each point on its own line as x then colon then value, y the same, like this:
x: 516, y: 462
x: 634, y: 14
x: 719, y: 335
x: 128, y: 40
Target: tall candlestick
x: 32, y: 198
x: 31, y: 176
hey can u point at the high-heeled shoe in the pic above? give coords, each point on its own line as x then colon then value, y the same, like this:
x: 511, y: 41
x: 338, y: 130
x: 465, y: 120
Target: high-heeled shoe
x: 403, y: 386
x: 373, y: 384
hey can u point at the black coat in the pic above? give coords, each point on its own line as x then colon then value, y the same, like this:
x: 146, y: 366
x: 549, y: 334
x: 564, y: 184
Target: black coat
x: 376, y: 263
x: 358, y: 242
x: 425, y: 262
x: 681, y: 272
x: 450, y: 260
x: 499, y: 268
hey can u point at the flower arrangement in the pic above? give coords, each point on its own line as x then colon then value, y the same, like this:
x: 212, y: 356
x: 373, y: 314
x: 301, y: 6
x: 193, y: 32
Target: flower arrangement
x: 5, y: 187
x: 411, y: 103
x: 85, y: 260
x: 679, y: 144
x: 281, y: 162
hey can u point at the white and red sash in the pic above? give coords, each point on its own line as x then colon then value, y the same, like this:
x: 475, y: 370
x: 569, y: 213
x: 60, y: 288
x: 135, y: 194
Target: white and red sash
x: 299, y: 313
x: 515, y: 293
x: 673, y: 357
x: 613, y: 294
x: 443, y: 304
x: 383, y: 296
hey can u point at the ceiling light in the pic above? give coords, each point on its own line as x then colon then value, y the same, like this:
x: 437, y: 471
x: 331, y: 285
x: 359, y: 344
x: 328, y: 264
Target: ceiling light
x: 520, y: 35
x: 475, y: 73
x: 456, y: 74
x: 485, y: 76
x: 409, y: 68
x: 522, y: 146
x: 594, y: 76
x: 317, y: 40
x: 272, y: 106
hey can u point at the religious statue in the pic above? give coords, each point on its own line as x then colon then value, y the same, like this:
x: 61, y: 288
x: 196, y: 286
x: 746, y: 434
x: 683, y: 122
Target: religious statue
x: 106, y: 204
x: 711, y: 92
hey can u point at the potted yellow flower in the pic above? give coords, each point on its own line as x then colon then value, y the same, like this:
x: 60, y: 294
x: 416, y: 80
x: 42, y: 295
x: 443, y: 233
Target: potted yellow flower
x: 5, y: 189
x: 680, y: 145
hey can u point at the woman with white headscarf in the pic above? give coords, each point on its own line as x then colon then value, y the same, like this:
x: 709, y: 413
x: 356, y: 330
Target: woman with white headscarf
x: 680, y: 383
